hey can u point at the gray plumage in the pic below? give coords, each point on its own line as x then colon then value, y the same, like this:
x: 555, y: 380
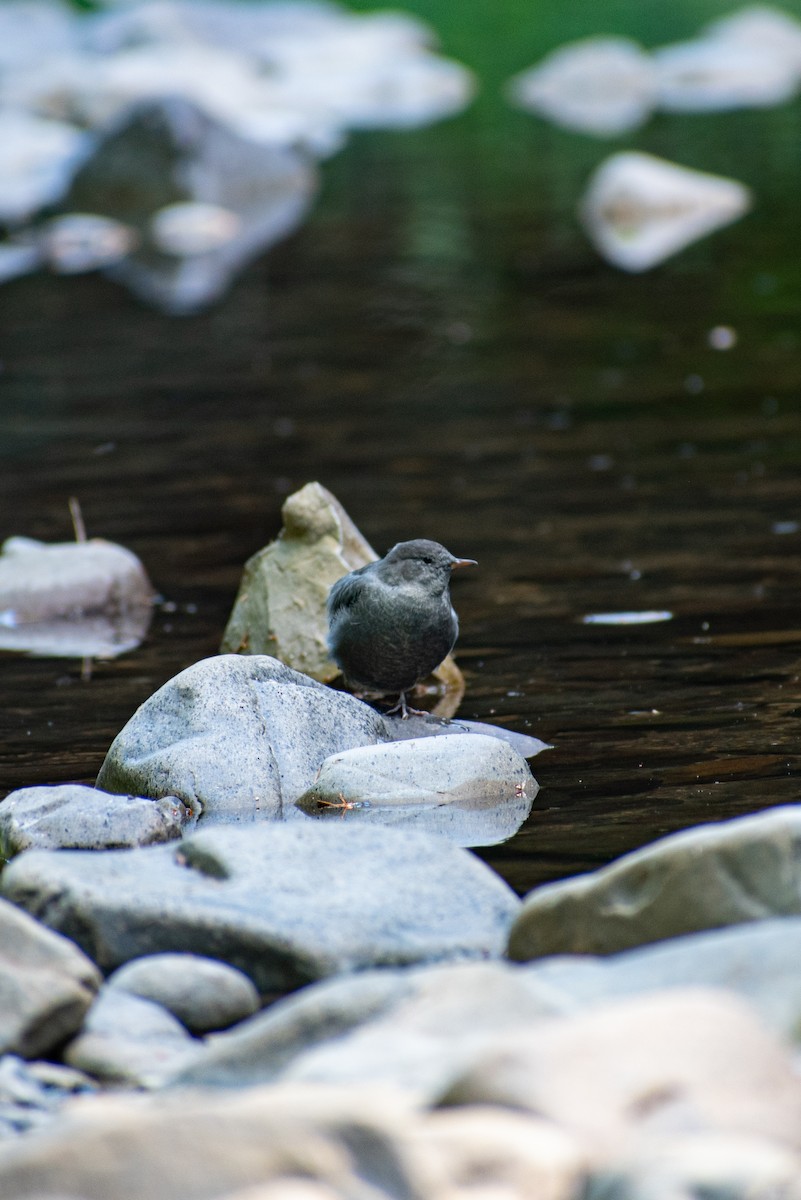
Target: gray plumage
x: 391, y: 623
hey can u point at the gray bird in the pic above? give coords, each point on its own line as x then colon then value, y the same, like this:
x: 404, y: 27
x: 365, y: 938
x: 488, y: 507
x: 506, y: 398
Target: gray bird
x: 391, y: 623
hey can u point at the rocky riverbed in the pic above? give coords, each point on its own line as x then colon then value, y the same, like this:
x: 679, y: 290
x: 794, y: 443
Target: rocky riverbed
x: 259, y: 959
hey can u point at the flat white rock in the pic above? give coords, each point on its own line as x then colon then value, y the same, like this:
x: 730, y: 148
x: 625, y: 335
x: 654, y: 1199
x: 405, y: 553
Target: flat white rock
x: 639, y: 210
x: 717, y: 74
x: 602, y: 85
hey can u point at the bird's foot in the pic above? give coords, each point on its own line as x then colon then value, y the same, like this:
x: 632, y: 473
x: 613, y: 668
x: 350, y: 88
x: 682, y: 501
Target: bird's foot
x: 405, y: 709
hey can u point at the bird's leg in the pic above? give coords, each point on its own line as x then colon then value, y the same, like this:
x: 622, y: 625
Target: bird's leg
x: 405, y: 709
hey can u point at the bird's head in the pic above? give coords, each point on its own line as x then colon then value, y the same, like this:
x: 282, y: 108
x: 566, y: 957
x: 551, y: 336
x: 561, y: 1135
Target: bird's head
x: 422, y: 561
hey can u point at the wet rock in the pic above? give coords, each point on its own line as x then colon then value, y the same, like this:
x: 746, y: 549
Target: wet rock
x: 208, y: 1146
x: 46, y: 985
x: 713, y: 875
x: 758, y: 961
x: 411, y: 1028
x: 32, y: 1092
x: 37, y: 160
x: 475, y: 790
x: 639, y: 210
x: 202, y: 993
x: 127, y: 1039
x: 280, y: 608
x: 719, y: 74
x: 284, y: 903
x: 192, y: 228
x: 604, y: 86
x: 169, y: 152
x: 427, y: 725
x: 84, y: 598
x: 731, y: 1167
x: 655, y: 1064
x: 71, y: 816
x: 242, y: 736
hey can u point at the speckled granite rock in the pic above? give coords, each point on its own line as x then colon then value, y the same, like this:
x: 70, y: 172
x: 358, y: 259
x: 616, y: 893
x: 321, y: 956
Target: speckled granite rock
x: 71, y: 816
x: 286, y: 903
x: 242, y: 736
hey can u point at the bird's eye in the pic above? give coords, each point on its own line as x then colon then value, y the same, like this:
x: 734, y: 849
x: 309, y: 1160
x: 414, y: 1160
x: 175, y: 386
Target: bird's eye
x: 428, y: 561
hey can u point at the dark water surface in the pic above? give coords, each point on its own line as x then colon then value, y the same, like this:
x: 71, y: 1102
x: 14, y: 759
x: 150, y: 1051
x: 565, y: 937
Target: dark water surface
x: 441, y: 348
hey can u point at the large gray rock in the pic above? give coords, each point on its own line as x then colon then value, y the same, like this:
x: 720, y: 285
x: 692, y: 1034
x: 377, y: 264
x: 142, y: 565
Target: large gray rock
x: 760, y: 961
x: 46, y: 985
x: 475, y: 790
x: 126, y: 1039
x: 284, y: 903
x: 202, y: 993
x: 71, y: 816
x: 707, y: 877
x: 243, y: 736
x: 412, y: 1028
x: 682, y: 1059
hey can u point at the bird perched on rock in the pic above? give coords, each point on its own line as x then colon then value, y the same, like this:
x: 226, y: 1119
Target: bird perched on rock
x: 391, y: 623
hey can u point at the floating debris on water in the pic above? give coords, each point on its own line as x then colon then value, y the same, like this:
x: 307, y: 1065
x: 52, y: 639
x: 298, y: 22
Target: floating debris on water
x: 639, y: 210
x: 645, y: 617
x: 603, y: 85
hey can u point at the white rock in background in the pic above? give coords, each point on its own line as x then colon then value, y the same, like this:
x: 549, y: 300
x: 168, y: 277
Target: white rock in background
x: 31, y: 29
x: 761, y: 27
x: 72, y: 599
x: 602, y: 85
x: 717, y: 74
x: 639, y: 210
x: 37, y: 159
x: 191, y: 227
x: 80, y: 242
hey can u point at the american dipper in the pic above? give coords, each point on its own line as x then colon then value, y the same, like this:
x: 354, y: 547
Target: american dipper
x: 391, y: 623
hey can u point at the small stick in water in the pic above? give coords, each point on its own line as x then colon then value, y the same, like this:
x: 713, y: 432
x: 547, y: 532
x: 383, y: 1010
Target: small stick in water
x: 77, y: 519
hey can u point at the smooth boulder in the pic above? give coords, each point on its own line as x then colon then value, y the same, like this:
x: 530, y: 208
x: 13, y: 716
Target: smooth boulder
x: 707, y: 877
x: 474, y: 789
x: 285, y: 903
x: 73, y: 817
x: 242, y: 736
x: 46, y: 985
x: 128, y: 1040
x: 202, y: 993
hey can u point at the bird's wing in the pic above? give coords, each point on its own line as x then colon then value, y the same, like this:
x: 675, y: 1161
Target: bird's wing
x: 344, y: 593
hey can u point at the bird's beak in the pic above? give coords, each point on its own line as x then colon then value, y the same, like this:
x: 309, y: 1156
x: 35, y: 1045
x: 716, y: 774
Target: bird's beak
x: 463, y: 562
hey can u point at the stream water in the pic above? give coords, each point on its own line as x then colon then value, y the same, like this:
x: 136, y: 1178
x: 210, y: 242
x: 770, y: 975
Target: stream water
x: 441, y: 348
